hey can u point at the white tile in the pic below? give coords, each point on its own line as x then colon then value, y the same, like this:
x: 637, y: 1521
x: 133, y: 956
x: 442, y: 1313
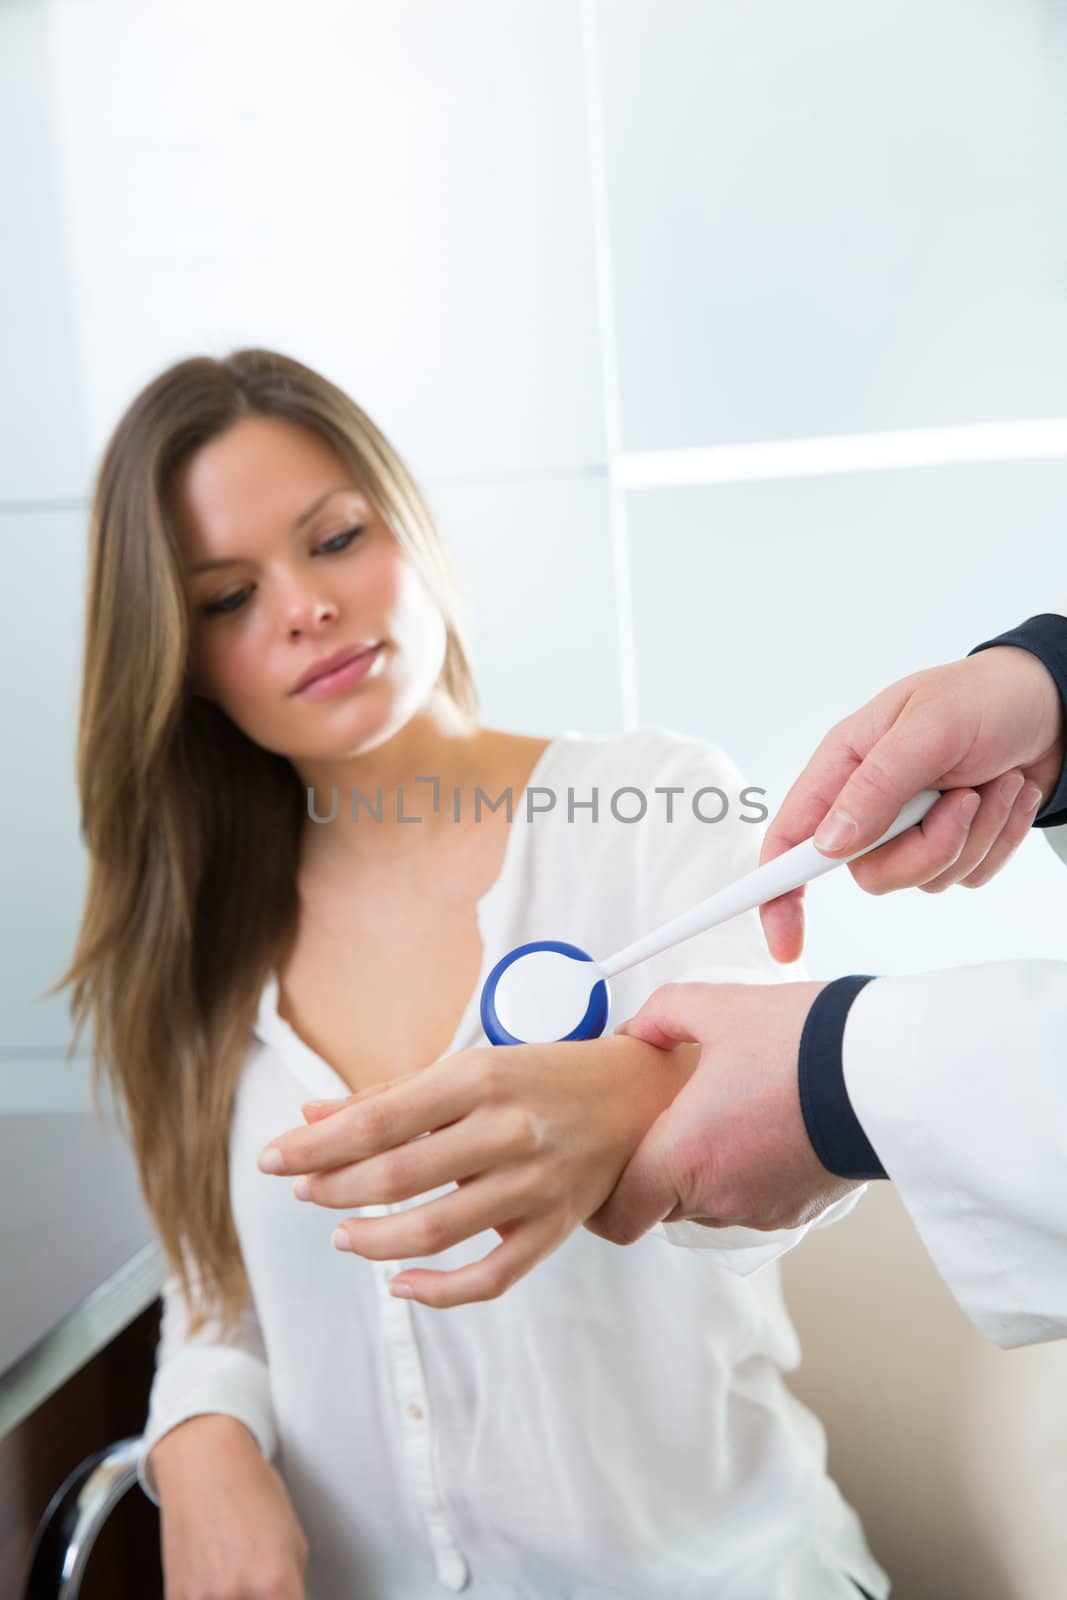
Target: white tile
x: 44, y: 1084
x: 535, y: 567
x: 831, y: 217
x: 764, y: 613
x: 43, y: 454
x: 44, y: 864
x: 394, y: 193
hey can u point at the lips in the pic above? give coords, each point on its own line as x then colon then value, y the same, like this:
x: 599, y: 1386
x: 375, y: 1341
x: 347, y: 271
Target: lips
x: 340, y: 658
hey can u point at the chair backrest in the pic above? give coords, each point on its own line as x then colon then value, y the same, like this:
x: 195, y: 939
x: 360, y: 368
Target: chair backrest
x: 953, y: 1452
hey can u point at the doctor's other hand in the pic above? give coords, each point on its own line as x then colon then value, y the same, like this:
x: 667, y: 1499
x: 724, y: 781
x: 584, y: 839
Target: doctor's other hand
x: 988, y: 729
x: 227, y: 1524
x: 732, y: 1147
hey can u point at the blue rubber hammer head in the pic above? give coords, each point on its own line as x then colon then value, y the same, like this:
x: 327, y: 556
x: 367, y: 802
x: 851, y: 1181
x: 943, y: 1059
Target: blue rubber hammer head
x: 544, y: 993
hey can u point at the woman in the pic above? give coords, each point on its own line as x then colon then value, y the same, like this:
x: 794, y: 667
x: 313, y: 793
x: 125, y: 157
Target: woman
x: 616, y: 1423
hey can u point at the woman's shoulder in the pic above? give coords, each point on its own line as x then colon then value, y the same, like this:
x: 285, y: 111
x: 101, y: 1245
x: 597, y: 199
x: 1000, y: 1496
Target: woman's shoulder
x: 634, y: 755
x: 663, y: 815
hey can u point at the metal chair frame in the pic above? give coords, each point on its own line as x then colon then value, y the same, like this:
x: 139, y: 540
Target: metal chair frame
x: 73, y: 1519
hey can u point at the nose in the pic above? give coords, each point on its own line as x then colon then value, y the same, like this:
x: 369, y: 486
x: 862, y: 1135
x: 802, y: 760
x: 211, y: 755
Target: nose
x: 303, y: 608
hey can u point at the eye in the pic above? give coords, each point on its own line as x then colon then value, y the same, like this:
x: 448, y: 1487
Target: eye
x: 233, y: 602
x: 348, y: 535
x: 222, y: 608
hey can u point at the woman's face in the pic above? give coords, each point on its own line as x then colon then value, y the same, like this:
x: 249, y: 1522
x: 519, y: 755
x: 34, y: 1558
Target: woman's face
x: 310, y: 570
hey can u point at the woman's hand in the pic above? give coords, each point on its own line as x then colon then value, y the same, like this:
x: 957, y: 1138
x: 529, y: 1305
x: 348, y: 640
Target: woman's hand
x: 228, y: 1529
x: 535, y: 1135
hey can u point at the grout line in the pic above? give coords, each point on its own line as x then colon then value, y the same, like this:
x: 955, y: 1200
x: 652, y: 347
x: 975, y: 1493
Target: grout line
x: 480, y: 480
x: 609, y: 368
x: 14, y: 508
x: 829, y: 455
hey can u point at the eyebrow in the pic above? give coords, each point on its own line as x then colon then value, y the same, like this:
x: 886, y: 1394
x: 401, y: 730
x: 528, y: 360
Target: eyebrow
x: 302, y: 519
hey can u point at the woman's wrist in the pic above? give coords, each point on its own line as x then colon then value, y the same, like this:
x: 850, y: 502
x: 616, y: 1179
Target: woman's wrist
x: 214, y: 1431
x: 659, y: 1075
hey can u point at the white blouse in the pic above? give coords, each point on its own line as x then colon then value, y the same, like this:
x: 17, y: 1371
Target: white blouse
x: 614, y: 1425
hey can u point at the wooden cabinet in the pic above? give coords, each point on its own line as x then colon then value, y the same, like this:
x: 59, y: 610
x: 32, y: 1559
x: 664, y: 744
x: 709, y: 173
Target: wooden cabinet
x: 103, y: 1402
x: 79, y: 1323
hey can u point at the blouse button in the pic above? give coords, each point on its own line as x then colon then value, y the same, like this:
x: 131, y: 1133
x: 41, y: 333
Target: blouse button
x: 415, y: 1412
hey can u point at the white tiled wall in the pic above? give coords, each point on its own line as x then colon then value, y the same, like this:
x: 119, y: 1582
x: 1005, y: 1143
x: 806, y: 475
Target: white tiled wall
x: 834, y: 217
x: 394, y: 192
x: 43, y: 452
x: 535, y: 565
x: 42, y: 578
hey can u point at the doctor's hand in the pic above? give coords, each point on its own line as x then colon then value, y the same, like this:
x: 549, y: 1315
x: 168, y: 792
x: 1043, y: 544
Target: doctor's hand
x: 988, y: 729
x: 732, y: 1148
x: 534, y: 1135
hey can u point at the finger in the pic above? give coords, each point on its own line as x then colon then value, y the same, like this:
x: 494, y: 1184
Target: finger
x: 439, y: 1224
x: 1013, y: 833
x: 997, y: 804
x: 419, y: 1102
x: 676, y: 1013
x: 911, y: 755
x: 807, y: 803
x: 813, y: 793
x: 488, y: 1278
x: 316, y: 1110
x: 920, y: 853
x: 783, y: 925
x: 463, y: 1150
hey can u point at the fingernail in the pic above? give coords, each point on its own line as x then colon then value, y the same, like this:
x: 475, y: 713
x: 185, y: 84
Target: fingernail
x: 1010, y: 787
x: 302, y: 1189
x: 341, y: 1241
x: 1032, y: 797
x: 271, y: 1160
x: 338, y: 1100
x: 969, y: 809
x: 403, y: 1291
x: 835, y: 831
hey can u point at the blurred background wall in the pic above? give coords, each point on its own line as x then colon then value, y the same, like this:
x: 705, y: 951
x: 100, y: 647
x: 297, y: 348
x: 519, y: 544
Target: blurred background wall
x: 623, y: 280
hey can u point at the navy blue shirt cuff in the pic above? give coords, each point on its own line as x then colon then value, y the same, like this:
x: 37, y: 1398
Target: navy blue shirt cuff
x: 833, y: 1127
x: 1045, y: 636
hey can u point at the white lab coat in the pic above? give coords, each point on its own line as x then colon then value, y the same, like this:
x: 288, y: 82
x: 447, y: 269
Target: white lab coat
x: 960, y: 1081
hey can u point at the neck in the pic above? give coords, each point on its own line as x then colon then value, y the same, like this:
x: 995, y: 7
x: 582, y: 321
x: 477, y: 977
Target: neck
x: 363, y: 808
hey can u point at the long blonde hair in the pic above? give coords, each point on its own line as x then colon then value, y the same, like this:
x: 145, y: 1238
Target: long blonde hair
x: 192, y: 829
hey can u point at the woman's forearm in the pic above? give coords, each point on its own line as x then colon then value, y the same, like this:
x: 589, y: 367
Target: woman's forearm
x: 184, y: 1446
x: 227, y: 1523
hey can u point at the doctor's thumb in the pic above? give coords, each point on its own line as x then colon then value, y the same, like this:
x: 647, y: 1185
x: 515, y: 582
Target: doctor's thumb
x: 677, y: 1013
x: 907, y: 758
